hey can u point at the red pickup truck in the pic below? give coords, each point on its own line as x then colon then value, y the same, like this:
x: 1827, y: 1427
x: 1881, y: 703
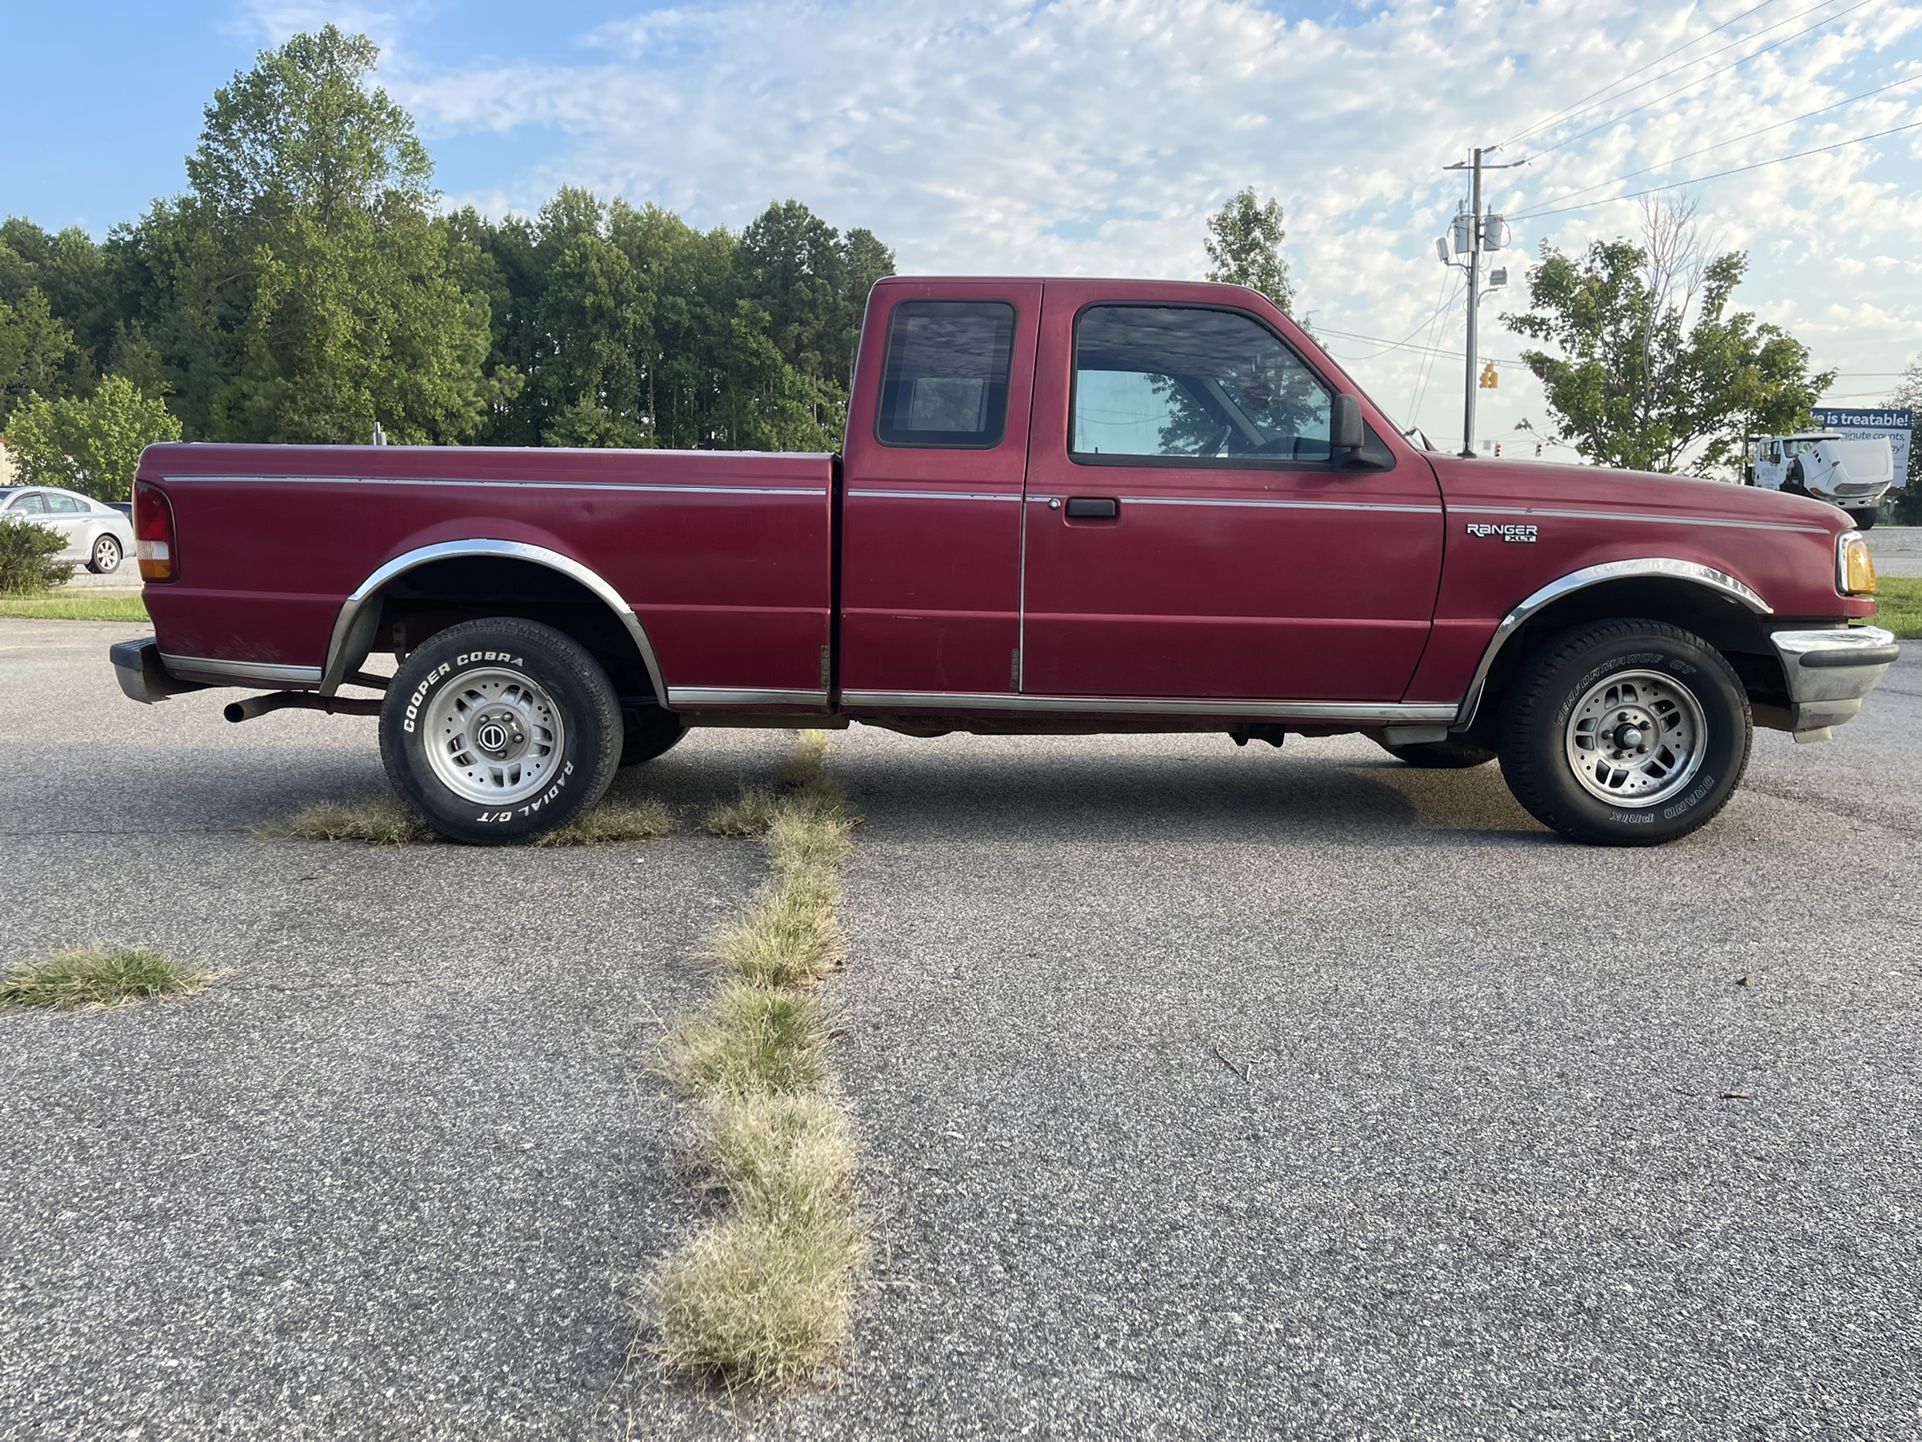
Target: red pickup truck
x: 1062, y: 506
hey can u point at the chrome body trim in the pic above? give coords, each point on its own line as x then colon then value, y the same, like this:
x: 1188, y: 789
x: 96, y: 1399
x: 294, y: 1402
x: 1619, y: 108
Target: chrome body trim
x: 661, y: 488
x: 1354, y: 712
x: 1830, y: 673
x: 1648, y: 517
x: 934, y: 495
x: 266, y: 673
x: 1256, y: 503
x: 1640, y: 567
x: 334, y: 673
x: 693, y: 698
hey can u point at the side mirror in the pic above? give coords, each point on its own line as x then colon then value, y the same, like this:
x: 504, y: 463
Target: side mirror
x: 1347, y: 434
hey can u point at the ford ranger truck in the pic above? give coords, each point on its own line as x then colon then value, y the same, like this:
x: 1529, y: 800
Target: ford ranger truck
x: 1062, y: 506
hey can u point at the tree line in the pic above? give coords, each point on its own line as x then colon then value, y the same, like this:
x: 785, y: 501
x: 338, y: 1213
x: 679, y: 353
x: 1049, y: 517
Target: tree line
x: 304, y: 287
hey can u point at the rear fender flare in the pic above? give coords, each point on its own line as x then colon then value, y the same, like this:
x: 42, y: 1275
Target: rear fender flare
x: 356, y: 613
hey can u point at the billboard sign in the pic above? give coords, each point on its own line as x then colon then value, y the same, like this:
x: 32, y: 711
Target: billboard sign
x: 1856, y: 423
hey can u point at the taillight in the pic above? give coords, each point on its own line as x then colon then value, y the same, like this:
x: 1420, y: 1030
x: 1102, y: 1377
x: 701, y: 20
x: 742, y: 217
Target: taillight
x: 153, y: 530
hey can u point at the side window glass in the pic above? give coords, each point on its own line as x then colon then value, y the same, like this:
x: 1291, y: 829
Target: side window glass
x: 34, y: 503
x: 1182, y: 383
x: 945, y: 380
x: 65, y: 505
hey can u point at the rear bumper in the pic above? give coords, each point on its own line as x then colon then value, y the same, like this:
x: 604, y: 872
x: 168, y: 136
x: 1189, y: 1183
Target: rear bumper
x: 142, y: 674
x: 1830, y: 673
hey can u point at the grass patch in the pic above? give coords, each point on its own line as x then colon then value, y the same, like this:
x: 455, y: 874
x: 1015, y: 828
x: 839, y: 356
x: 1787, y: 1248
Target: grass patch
x: 378, y: 821
x: 97, y: 976
x: 388, y: 821
x: 758, y: 1301
x: 763, y: 1295
x: 613, y: 821
x: 74, y: 608
x: 753, y: 1040
x: 1898, y: 605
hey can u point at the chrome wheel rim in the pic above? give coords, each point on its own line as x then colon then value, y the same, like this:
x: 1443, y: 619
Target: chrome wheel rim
x: 494, y: 736
x: 106, y: 553
x: 1635, y: 738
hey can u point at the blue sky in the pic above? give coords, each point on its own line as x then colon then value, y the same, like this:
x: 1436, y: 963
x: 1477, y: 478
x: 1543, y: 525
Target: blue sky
x: 1094, y: 136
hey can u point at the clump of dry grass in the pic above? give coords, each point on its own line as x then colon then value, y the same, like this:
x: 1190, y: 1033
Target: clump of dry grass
x: 748, y: 814
x: 613, y: 821
x: 387, y: 821
x: 760, y: 1302
x: 378, y: 821
x: 97, y: 976
x: 753, y: 1040
x: 762, y: 1296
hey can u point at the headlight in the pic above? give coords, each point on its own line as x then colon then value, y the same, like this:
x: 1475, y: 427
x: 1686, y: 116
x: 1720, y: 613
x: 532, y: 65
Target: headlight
x: 1854, y: 570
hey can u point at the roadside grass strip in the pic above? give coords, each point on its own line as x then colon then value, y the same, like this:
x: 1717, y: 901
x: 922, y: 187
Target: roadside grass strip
x: 96, y: 977
x: 1898, y: 605
x: 386, y: 821
x: 762, y: 1296
x: 74, y: 608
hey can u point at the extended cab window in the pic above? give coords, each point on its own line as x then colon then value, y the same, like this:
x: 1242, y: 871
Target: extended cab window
x: 946, y: 378
x: 1158, y: 382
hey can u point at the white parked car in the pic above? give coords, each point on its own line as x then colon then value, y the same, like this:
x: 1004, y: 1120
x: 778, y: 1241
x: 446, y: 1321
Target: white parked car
x: 95, y: 532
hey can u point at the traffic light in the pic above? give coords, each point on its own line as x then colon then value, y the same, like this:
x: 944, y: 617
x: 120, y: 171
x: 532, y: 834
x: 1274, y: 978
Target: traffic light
x: 1498, y: 448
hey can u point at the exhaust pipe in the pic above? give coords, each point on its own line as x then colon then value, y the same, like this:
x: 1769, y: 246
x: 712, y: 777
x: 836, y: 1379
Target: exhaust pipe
x: 238, y: 711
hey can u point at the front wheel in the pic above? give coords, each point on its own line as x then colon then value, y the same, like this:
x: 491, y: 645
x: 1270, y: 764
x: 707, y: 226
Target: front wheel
x: 499, y: 730
x: 1625, y: 733
x: 1864, y: 520
x: 106, y: 556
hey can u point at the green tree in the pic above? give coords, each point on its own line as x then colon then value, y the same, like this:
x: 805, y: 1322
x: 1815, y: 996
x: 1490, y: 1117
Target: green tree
x: 303, y: 290
x: 1244, y: 247
x: 37, y: 353
x: 1655, y: 370
x: 92, y: 443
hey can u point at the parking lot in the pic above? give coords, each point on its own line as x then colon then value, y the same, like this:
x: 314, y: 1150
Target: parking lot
x: 1204, y: 1091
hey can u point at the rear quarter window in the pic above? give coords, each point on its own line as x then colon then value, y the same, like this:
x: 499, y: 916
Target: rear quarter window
x: 945, y: 380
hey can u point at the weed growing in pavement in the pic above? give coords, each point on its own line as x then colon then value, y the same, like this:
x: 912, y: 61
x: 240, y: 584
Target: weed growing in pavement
x: 97, y: 976
x: 385, y: 821
x: 763, y: 1295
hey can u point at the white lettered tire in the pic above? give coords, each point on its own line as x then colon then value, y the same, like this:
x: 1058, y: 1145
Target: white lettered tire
x: 1625, y: 733
x: 499, y: 730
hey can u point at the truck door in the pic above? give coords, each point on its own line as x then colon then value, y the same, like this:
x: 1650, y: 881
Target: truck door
x: 931, y: 489
x: 1188, y: 533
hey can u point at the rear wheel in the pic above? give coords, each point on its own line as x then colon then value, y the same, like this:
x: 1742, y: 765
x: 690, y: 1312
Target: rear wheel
x: 1625, y: 733
x: 1450, y: 755
x: 499, y: 730
x: 105, y: 558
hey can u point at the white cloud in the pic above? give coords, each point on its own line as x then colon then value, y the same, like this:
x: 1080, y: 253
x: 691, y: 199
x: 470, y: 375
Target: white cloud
x: 1094, y: 136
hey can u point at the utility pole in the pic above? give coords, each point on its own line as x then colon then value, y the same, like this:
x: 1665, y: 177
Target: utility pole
x: 1480, y: 229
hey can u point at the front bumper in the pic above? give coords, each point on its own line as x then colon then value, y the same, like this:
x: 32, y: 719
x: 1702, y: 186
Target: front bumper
x: 141, y: 673
x: 1830, y: 673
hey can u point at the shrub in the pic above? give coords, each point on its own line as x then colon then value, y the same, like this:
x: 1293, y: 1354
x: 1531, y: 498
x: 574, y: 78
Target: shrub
x: 27, y: 554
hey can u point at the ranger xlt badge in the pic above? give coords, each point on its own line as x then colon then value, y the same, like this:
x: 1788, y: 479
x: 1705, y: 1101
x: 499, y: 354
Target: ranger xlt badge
x: 1484, y: 529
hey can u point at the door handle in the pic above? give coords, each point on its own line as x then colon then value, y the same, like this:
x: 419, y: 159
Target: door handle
x: 1093, y: 508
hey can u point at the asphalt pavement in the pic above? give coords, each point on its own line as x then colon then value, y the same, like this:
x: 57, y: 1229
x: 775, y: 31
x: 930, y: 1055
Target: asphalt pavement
x: 1205, y: 1092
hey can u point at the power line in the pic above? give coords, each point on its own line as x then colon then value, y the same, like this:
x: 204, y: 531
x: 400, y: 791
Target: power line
x: 1721, y: 144
x: 1721, y: 70
x: 1579, y: 105
x: 1719, y: 174
x: 1388, y: 345
x: 1427, y: 367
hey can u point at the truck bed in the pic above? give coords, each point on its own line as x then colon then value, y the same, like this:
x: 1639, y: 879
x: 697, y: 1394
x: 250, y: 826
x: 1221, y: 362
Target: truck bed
x: 724, y: 557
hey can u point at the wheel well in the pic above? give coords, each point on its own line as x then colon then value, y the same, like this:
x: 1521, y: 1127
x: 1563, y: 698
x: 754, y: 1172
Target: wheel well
x: 1741, y: 635
x: 437, y: 594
